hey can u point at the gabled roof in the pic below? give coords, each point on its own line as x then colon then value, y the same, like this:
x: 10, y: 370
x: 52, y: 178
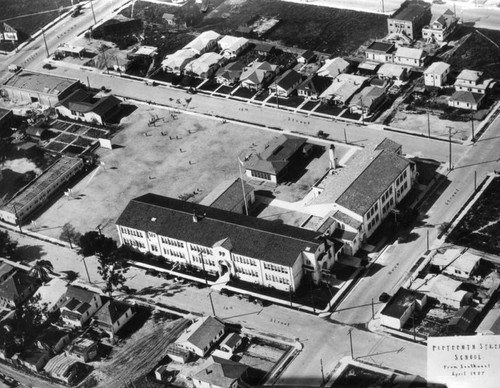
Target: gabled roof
x: 367, y: 96
x: 232, y: 43
x: 220, y: 372
x: 307, y: 55
x: 343, y: 87
x: 333, y: 67
x: 288, y: 79
x: 51, y: 336
x: 391, y: 70
x: 111, y: 311
x: 202, y: 332
x: 6, y: 269
x: 232, y: 71
x: 228, y: 195
x: 408, y: 52
x: 437, y: 68
x: 250, y: 236
x: 231, y: 340
x: 203, y: 63
x: 257, y: 71
x: 61, y: 365
x: 470, y: 75
x: 202, y: 40
x: 389, y: 145
x: 315, y: 84
x: 81, y: 101
x: 467, y: 97
x: 51, y: 292
x: 80, y: 294
x: 179, y: 58
x: 264, y: 47
x: 16, y: 284
x: 411, y: 11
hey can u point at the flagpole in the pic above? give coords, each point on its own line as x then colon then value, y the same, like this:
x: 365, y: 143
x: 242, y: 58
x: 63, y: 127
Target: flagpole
x: 243, y: 186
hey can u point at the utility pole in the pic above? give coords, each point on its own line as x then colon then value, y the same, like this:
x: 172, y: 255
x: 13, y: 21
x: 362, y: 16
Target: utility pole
x: 88, y: 82
x: 475, y: 181
x: 427, y: 239
x: 206, y: 283
x: 45, y: 41
x: 449, y: 140
x: 428, y: 125
x: 93, y: 14
x: 345, y: 136
x: 472, y: 124
x: 322, y: 373
x: 373, y: 310
x: 350, y: 341
x: 86, y: 269
x: 290, y: 294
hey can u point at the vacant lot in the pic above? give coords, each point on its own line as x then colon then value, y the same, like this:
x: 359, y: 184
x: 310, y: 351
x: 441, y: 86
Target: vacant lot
x: 181, y: 156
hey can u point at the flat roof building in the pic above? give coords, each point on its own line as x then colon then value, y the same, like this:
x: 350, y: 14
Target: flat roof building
x: 401, y: 306
x: 409, y: 19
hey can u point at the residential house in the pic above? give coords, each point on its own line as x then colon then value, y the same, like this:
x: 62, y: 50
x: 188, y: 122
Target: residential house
x: 286, y: 84
x: 473, y: 81
x: 52, y: 294
x: 83, y: 349
x: 409, y: 19
x: 176, y: 62
x: 80, y: 305
x: 53, y: 340
x: 457, y: 263
x: 201, y: 336
x: 8, y: 34
x: 380, y: 52
x: 490, y: 325
x: 250, y: 249
x: 63, y: 368
x: 220, y: 373
x: 232, y: 46
x: 313, y: 86
x: 203, y: 43
x: 169, y: 19
x: 409, y: 57
x: 178, y: 353
x: 466, y: 100
x: 41, y: 189
x: 367, y: 100
x: 333, y: 67
x: 36, y: 133
x: 437, y: 74
x: 393, y: 72
x: 44, y: 89
x: 264, y: 49
x: 343, y: 88
x: 230, y: 74
x: 257, y: 75
x: 231, y: 343
x: 33, y: 359
x: 67, y: 50
x: 272, y: 162
x: 16, y: 288
x: 113, y: 315
x: 441, y: 28
x: 146, y: 51
x: 205, y: 66
x: 306, y: 57
x: 462, y: 321
x: 400, y: 308
x: 233, y: 196
x: 446, y: 290
x: 82, y: 106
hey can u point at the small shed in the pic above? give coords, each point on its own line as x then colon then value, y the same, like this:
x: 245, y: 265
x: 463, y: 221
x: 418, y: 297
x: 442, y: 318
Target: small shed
x: 307, y: 56
x: 231, y: 343
x: 161, y: 373
x: 36, y: 133
x: 177, y: 353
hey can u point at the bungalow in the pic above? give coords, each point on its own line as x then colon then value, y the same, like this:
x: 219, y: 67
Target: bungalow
x: 230, y: 74
x: 79, y: 306
x: 490, y: 325
x: 256, y: 75
x: 205, y: 65
x: 83, y: 349
x: 436, y: 74
x: 457, y: 263
x: 16, y: 288
x: 473, y: 81
x: 176, y: 62
x: 53, y: 340
x: 205, y: 42
x: 220, y: 373
x: 63, y: 368
x: 343, y: 88
x: 271, y: 164
x: 313, y: 86
x: 380, y: 52
x: 466, y: 100
x: 306, y: 57
x: 82, y: 106
x: 392, y: 72
x: 409, y: 56
x: 263, y: 49
x: 232, y: 46
x: 33, y: 359
x: 113, y: 315
x: 367, y: 100
x: 146, y: 51
x: 51, y: 295
x: 441, y: 28
x: 286, y: 84
x: 231, y: 343
x: 444, y: 289
x: 333, y: 67
x: 461, y: 322
x: 169, y: 19
x: 201, y: 335
x: 401, y: 307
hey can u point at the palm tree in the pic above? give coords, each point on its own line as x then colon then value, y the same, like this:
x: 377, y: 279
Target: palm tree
x: 41, y: 270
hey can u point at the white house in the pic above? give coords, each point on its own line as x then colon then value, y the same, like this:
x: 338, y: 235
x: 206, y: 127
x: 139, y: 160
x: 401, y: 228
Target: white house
x: 343, y: 87
x: 437, y: 74
x: 206, y: 41
x: 255, y: 75
x: 441, y: 28
x: 176, y: 62
x: 444, y: 289
x: 333, y: 67
x: 380, y: 52
x: 113, y: 315
x: 457, y: 263
x: 286, y: 84
x: 205, y: 66
x: 392, y: 72
x: 201, y: 336
x: 231, y: 343
x: 400, y: 308
x: 473, y: 81
x: 232, y: 46
x: 466, y: 100
x: 80, y: 305
x: 230, y: 74
x: 409, y: 56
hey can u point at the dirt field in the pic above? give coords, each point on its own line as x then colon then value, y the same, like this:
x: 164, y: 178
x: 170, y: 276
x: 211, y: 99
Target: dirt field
x: 190, y: 159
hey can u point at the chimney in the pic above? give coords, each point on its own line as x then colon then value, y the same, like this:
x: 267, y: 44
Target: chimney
x: 331, y: 153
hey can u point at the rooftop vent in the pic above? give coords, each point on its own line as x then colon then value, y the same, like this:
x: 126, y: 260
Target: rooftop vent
x: 153, y: 219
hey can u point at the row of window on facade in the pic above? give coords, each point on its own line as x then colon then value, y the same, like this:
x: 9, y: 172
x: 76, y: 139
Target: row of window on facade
x: 261, y: 175
x: 197, y: 248
x: 246, y: 271
x: 244, y: 260
x: 207, y: 261
x: 169, y: 241
x: 131, y: 232
x: 171, y: 252
x: 273, y: 267
x: 277, y: 279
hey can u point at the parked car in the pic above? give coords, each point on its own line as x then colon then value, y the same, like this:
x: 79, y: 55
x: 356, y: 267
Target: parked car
x: 47, y: 66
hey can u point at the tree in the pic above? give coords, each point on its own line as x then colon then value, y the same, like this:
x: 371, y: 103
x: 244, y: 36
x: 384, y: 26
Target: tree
x: 41, y: 270
x: 7, y: 245
x: 69, y: 234
x: 94, y: 243
x: 112, y: 269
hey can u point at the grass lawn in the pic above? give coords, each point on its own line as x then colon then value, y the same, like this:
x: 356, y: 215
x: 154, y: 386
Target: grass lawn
x: 328, y: 109
x: 244, y: 92
x: 309, y: 105
x: 154, y: 163
x: 293, y: 101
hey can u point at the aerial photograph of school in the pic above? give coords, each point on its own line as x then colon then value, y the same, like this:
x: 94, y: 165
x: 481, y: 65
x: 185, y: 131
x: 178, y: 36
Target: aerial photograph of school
x: 249, y: 193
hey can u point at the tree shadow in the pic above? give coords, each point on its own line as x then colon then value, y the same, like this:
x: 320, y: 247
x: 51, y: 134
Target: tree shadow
x: 30, y: 253
x: 407, y: 238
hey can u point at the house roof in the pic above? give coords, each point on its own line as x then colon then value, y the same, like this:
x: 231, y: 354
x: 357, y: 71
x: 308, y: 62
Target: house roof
x: 257, y: 71
x: 35, y: 131
x: 232, y: 71
x: 202, y: 40
x: 51, y: 336
x: 232, y: 43
x: 81, y: 101
x: 33, y: 356
x: 490, y: 323
x: 367, y: 96
x: 463, y: 318
x: 307, y: 55
x: 80, y: 294
x: 220, y: 372
x: 16, y: 284
x: 470, y: 75
x: 381, y: 47
x: 315, y: 84
x: 391, y: 70
x: 111, y: 311
x: 228, y: 195
x: 454, y: 258
x: 288, y: 79
x: 408, y: 52
x: 81, y: 346
x: 411, y: 11
x: 373, y: 181
x: 231, y: 340
x: 343, y: 87
x: 40, y: 83
x: 60, y: 365
x: 333, y: 67
x: 146, y: 50
x: 440, y: 285
x: 467, y: 97
x: 168, y: 16
x: 203, y: 63
x: 437, y: 68
x: 401, y: 301
x: 276, y: 154
x: 179, y: 58
x: 252, y: 237
x: 6, y: 269
x: 265, y: 47
x: 51, y: 292
x: 201, y: 332
x: 4, y: 113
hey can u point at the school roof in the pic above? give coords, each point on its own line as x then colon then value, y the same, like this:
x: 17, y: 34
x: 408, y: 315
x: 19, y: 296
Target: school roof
x: 220, y: 372
x: 347, y: 219
x: 250, y: 236
x: 408, y: 52
x: 228, y: 195
x: 40, y: 83
x: 401, y: 301
x: 111, y: 311
x: 381, y: 47
x: 411, y: 11
x: 202, y: 332
x: 276, y: 155
x: 437, y: 68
